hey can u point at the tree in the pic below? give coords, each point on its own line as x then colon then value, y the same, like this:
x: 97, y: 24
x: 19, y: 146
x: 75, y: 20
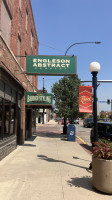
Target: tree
x: 102, y: 115
x: 66, y: 96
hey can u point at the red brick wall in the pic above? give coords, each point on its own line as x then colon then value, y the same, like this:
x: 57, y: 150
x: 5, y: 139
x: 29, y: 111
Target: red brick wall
x: 9, y: 5
x: 0, y: 15
x: 7, y: 58
x: 10, y: 63
x: 19, y: 28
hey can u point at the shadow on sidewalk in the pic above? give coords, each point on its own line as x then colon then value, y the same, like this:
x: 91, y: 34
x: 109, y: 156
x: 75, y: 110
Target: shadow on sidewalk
x: 61, y: 161
x: 81, y: 159
x: 51, y: 134
x: 84, y: 182
x: 32, y: 138
x: 28, y: 145
x: 87, y: 147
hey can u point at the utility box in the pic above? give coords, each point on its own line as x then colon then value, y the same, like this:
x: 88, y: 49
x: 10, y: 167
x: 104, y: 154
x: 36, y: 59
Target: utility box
x: 71, y: 132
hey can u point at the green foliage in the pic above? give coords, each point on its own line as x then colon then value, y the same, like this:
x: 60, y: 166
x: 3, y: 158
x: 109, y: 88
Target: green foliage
x: 82, y: 115
x: 110, y: 116
x: 91, y: 116
x: 51, y: 116
x: 66, y: 96
x: 102, y: 115
x: 98, y: 117
x: 103, y: 150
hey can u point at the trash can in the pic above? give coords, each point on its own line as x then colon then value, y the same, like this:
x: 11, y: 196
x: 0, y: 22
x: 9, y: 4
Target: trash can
x: 71, y: 132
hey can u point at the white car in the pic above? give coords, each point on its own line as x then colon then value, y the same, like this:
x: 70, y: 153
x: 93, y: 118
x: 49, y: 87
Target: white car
x: 76, y: 121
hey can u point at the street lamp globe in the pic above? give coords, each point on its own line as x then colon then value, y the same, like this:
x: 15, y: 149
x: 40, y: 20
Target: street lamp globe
x: 94, y: 67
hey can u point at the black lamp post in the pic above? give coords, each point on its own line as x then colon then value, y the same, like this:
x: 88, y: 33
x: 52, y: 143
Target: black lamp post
x: 43, y: 108
x: 77, y: 43
x: 97, y: 42
x: 94, y: 68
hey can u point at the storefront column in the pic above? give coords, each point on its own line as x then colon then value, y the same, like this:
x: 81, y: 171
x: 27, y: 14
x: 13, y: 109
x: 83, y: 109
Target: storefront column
x: 22, y: 119
x: 30, y: 123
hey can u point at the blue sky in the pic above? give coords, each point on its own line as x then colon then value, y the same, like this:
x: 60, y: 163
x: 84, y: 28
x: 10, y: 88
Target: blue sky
x: 61, y: 23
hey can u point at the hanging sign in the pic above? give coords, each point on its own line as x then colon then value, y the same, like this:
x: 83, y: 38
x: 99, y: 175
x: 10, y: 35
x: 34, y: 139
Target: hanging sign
x: 85, y: 99
x: 51, y: 65
x: 33, y: 98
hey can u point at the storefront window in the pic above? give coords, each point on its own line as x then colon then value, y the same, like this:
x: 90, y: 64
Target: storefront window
x: 7, y: 118
x: 12, y: 126
x: 8, y: 111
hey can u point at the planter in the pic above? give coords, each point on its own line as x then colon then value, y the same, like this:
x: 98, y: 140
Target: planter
x: 102, y: 175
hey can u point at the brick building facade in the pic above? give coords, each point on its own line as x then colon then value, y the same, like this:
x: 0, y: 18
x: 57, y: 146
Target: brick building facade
x: 18, y: 38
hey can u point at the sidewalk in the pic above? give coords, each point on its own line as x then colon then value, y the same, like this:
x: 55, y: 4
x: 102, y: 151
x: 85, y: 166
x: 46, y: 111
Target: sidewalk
x: 48, y: 167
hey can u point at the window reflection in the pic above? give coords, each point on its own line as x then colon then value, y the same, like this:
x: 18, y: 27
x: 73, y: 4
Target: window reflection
x: 12, y: 118
x: 7, y: 118
x: 8, y: 112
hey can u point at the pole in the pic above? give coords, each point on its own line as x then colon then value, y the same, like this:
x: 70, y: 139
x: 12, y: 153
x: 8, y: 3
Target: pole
x: 94, y: 84
x: 77, y: 43
x: 94, y: 81
x: 97, y: 42
x: 65, y: 125
x: 43, y: 108
x: 111, y: 108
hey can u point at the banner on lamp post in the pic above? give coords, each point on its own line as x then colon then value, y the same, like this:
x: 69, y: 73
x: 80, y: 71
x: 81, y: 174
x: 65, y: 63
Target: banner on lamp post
x: 85, y: 99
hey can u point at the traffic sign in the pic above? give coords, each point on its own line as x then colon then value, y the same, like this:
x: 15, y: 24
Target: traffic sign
x: 108, y: 101
x: 102, y: 101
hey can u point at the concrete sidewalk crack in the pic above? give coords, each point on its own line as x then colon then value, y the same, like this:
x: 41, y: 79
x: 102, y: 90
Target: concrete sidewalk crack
x: 60, y: 170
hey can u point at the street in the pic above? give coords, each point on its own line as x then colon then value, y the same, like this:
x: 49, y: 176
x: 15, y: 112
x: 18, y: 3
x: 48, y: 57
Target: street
x: 83, y: 133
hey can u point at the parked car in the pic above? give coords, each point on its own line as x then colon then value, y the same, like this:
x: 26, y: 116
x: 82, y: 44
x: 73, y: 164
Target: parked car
x: 104, y: 131
x: 105, y: 120
x: 63, y: 121
x: 58, y: 119
x: 88, y: 122
x: 75, y: 121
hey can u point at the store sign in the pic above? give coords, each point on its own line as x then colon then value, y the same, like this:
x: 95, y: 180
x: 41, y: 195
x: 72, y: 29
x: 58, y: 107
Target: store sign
x: 85, y: 99
x: 33, y: 98
x: 51, y: 65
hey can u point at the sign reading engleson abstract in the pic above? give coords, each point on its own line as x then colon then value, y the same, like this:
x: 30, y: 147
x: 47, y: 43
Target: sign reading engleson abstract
x: 33, y: 98
x: 51, y: 65
x: 85, y: 99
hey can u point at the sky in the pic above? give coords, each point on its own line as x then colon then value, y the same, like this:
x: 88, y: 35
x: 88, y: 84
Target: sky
x: 61, y: 23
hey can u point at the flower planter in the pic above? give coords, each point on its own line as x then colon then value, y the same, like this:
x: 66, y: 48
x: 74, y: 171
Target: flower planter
x: 102, y: 175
